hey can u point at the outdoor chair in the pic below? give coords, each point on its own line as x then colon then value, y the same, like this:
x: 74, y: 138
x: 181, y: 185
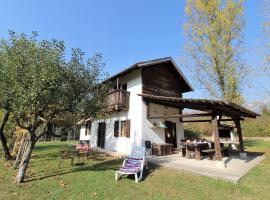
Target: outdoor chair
x: 148, y: 147
x: 133, y: 164
x: 182, y: 147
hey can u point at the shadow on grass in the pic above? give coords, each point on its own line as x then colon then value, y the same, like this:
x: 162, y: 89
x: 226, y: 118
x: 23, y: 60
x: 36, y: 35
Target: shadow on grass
x: 146, y: 172
x: 111, y: 165
x: 102, y: 166
x: 49, y: 146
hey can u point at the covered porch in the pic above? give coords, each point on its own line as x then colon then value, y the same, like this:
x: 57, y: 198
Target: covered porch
x: 211, y: 111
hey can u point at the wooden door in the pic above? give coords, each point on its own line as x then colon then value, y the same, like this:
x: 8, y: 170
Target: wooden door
x: 170, y: 133
x: 101, y: 134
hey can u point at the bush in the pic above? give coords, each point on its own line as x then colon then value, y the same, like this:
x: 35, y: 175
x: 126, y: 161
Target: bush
x: 191, y: 134
x: 259, y: 127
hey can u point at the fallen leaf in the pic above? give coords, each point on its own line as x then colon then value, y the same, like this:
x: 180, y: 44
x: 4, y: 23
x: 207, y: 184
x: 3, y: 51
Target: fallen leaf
x: 62, y: 184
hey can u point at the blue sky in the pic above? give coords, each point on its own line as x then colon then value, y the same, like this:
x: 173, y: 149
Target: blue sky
x: 124, y: 31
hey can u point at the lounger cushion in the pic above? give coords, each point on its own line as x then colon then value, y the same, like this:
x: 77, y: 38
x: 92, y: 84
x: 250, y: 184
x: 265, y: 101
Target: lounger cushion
x: 132, y: 165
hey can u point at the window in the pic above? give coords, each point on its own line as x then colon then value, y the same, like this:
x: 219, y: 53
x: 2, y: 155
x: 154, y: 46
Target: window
x: 125, y: 128
x: 87, y: 128
x: 116, y: 128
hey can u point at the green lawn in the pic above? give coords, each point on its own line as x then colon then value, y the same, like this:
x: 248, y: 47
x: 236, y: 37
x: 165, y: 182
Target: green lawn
x: 95, y: 180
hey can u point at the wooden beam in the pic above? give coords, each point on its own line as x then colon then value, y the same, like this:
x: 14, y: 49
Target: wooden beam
x: 216, y: 138
x: 199, y: 120
x: 180, y: 116
x: 208, y: 120
x: 239, y: 131
x: 147, y: 109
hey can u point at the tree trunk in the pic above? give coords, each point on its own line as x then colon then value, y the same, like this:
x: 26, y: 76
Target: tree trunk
x: 23, y: 146
x: 25, y: 161
x: 2, y: 136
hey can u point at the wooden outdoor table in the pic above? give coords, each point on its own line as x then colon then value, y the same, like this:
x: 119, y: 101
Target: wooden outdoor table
x: 164, y: 149
x: 197, y: 148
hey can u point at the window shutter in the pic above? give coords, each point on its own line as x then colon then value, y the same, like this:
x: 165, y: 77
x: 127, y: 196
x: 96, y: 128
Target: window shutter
x: 89, y: 128
x: 127, y: 129
x: 86, y: 128
x: 116, y: 128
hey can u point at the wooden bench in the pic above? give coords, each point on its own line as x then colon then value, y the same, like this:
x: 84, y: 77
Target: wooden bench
x: 209, y: 152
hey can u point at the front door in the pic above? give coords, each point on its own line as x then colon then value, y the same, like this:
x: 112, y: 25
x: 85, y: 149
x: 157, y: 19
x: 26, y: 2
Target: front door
x: 170, y: 133
x: 101, y: 134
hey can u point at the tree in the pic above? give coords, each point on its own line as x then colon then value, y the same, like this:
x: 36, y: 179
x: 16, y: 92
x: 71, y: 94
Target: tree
x: 44, y: 85
x: 6, y: 97
x: 266, y: 41
x: 3, y: 122
x: 214, y: 31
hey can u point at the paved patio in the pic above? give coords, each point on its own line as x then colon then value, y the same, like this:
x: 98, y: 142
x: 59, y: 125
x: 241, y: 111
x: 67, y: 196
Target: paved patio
x: 231, y: 168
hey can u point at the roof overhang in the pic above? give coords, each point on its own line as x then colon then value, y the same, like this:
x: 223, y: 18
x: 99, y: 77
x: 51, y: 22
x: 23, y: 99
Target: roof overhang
x: 217, y: 107
x: 84, y: 121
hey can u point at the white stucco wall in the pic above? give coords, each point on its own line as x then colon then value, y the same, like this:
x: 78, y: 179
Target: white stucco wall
x: 140, y: 128
x: 157, y: 135
x: 122, y: 144
x: 84, y: 137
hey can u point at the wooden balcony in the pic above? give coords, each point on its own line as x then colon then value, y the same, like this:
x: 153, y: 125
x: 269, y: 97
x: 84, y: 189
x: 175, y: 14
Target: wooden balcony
x: 117, y: 100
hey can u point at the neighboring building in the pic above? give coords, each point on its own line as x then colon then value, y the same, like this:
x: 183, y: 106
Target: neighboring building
x: 126, y: 124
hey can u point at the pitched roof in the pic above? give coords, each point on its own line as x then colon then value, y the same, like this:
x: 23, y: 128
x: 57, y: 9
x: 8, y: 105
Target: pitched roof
x: 220, y: 107
x: 151, y: 63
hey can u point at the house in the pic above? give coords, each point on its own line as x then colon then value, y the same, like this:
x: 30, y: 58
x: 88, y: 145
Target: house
x: 126, y: 124
x: 145, y: 103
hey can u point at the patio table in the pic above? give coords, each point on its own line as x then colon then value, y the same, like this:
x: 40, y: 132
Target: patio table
x: 163, y: 149
x: 197, y: 148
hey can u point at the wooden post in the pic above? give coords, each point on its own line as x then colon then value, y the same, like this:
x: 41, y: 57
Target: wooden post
x: 239, y: 132
x: 181, y: 112
x: 216, y: 138
x: 147, y: 109
x: 117, y: 83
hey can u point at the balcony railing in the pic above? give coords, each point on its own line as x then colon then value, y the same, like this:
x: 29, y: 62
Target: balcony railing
x: 117, y: 100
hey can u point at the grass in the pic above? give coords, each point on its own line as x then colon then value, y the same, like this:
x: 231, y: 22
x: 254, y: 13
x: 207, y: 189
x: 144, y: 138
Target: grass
x: 95, y: 180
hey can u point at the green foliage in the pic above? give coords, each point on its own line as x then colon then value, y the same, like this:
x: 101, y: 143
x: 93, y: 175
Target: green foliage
x: 259, y: 127
x: 9, y: 129
x: 193, y: 130
x: 192, y: 134
x: 39, y: 84
x: 214, y: 31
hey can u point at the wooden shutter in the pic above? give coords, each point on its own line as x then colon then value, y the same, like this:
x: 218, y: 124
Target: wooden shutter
x: 127, y: 130
x: 86, y: 128
x: 116, y: 128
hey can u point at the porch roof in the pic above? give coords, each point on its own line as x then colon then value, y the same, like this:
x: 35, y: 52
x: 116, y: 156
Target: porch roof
x: 218, y: 107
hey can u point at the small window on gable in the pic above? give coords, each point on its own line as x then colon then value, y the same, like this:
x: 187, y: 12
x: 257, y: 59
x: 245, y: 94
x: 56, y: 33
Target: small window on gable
x: 125, y: 128
x: 88, y: 128
x: 116, y: 128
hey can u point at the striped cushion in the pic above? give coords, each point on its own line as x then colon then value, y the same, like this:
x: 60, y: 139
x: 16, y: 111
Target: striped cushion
x: 132, y: 165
